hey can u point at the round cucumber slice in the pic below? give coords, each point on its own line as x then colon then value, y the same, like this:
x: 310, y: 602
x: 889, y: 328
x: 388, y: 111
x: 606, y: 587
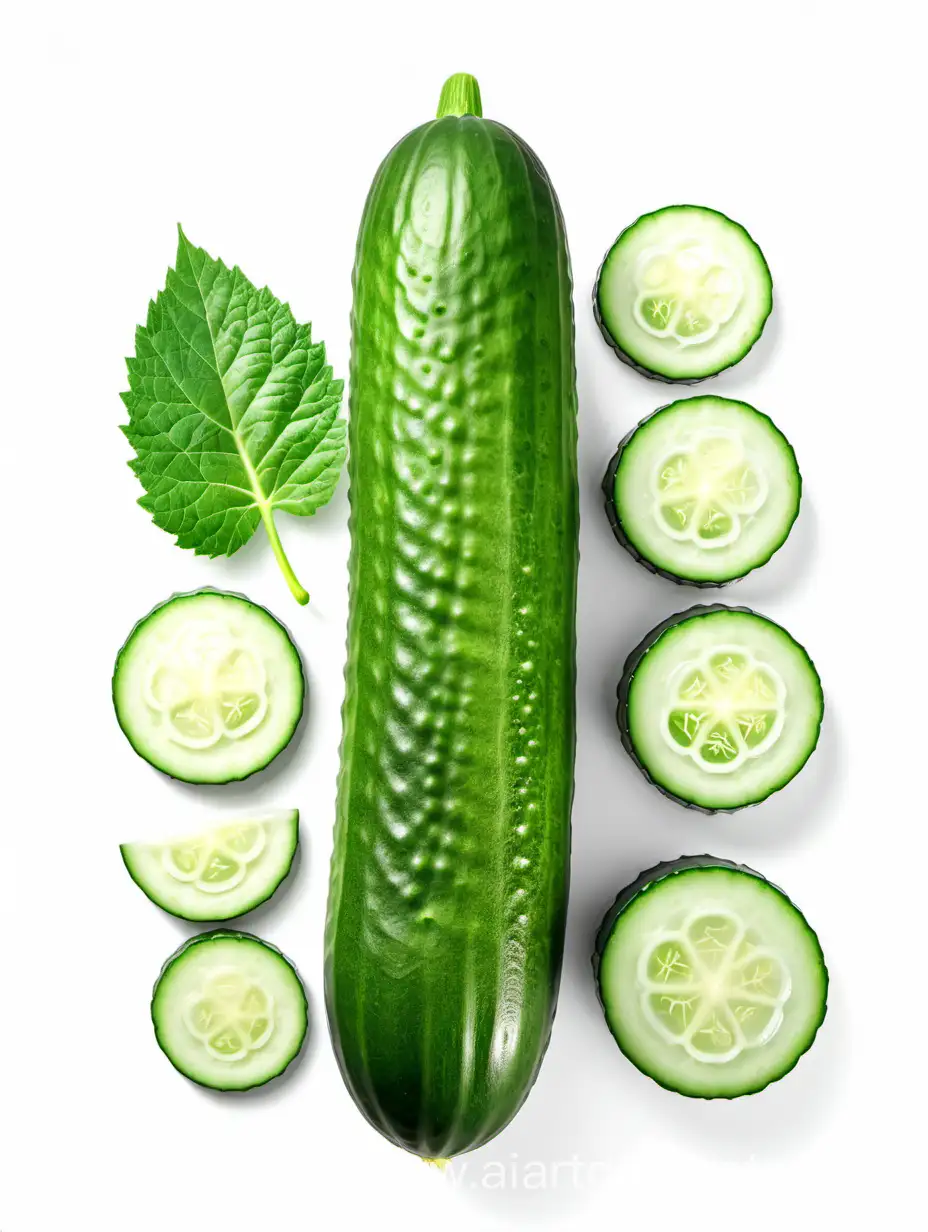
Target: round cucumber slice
x: 218, y: 873
x: 703, y: 490
x: 711, y: 980
x: 683, y: 293
x: 208, y: 687
x: 229, y: 1011
x: 719, y: 707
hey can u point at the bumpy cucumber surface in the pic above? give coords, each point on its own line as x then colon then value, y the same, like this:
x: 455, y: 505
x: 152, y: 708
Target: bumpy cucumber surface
x: 449, y: 875
x: 208, y: 687
x: 719, y: 707
x: 683, y: 293
x: 229, y: 1011
x: 218, y: 873
x: 711, y: 980
x: 703, y: 491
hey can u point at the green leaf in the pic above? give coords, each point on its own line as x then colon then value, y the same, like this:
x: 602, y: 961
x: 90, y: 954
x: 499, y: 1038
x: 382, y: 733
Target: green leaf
x: 233, y: 412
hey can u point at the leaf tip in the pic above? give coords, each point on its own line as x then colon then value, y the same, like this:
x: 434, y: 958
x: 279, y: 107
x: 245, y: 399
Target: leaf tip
x: 184, y: 246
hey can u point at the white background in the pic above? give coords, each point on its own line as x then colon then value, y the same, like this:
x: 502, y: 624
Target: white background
x: 260, y: 126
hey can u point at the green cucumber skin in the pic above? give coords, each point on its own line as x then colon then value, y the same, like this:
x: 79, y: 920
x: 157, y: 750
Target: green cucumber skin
x: 631, y: 666
x: 641, y: 884
x: 450, y: 868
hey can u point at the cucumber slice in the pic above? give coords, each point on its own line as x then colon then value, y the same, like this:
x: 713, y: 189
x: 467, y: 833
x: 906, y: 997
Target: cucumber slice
x: 711, y: 980
x: 219, y: 873
x: 703, y: 490
x: 229, y: 1011
x: 719, y: 707
x: 208, y: 687
x: 683, y: 293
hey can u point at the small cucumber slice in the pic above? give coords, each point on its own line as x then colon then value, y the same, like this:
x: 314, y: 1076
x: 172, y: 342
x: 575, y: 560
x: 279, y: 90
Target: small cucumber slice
x: 711, y: 980
x: 703, y: 490
x: 719, y: 707
x: 208, y: 687
x: 229, y: 1011
x: 218, y: 873
x: 683, y: 293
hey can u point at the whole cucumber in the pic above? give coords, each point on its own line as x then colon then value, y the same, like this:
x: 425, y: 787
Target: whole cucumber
x: 450, y: 870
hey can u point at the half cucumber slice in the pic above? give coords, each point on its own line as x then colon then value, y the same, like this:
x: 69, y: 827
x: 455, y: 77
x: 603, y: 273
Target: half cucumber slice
x: 683, y: 293
x: 208, y: 687
x: 711, y: 980
x: 719, y: 707
x: 229, y: 1011
x: 703, y: 490
x: 219, y: 873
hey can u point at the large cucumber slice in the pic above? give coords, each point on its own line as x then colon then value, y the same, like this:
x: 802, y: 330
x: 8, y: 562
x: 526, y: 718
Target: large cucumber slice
x: 711, y: 980
x: 208, y: 687
x: 683, y: 293
x: 719, y: 707
x: 218, y: 873
x: 703, y: 490
x: 229, y: 1011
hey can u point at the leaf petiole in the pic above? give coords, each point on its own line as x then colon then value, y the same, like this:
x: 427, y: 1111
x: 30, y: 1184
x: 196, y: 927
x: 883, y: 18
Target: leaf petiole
x: 298, y: 592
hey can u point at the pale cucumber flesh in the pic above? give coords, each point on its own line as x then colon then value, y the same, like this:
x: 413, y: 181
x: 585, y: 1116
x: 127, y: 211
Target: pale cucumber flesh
x: 683, y: 293
x: 218, y: 873
x: 704, y: 490
x: 229, y: 1011
x: 712, y: 982
x: 720, y: 707
x: 208, y: 687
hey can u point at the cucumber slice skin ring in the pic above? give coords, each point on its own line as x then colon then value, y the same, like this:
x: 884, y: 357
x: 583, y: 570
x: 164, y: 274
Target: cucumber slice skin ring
x: 615, y: 345
x: 618, y: 529
x: 299, y: 700
x: 216, y: 915
x: 225, y: 934
x: 631, y: 666
x: 649, y: 877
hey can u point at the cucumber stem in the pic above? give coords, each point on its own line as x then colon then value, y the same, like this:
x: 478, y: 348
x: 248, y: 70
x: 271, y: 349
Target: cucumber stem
x: 460, y: 95
x: 301, y: 595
